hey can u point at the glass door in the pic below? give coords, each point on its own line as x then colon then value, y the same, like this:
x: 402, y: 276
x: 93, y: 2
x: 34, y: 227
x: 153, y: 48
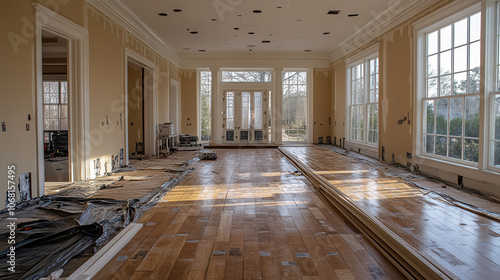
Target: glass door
x: 244, y: 116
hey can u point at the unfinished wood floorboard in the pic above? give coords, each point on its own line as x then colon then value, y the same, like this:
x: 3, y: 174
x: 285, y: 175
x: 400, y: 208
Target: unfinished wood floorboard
x: 245, y: 216
x: 461, y: 241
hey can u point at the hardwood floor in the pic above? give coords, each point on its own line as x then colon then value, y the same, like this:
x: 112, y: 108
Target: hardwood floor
x: 246, y: 216
x: 463, y: 242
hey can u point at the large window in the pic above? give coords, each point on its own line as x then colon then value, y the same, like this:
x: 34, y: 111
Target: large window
x: 363, y: 101
x: 294, y: 111
x: 205, y: 105
x: 55, y: 105
x: 451, y: 101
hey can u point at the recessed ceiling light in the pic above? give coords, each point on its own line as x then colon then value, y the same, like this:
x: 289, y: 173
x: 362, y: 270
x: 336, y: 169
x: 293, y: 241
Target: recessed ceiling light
x: 251, y: 33
x: 214, y: 19
x: 201, y: 50
x: 236, y: 28
x: 257, y: 11
x: 177, y: 10
x: 299, y: 20
x: 163, y: 14
x: 333, y: 12
x: 266, y: 42
x: 326, y: 33
x: 307, y: 50
x: 279, y: 7
x: 194, y: 32
x: 353, y: 15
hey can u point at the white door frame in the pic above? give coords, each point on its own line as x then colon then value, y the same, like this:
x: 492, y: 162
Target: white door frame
x: 150, y: 102
x: 78, y: 88
x: 175, y: 108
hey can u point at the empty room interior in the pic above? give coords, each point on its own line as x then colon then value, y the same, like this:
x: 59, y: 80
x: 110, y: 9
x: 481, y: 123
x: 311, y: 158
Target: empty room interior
x: 238, y: 139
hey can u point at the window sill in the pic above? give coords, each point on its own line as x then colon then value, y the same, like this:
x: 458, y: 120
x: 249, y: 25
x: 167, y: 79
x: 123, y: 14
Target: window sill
x: 467, y: 171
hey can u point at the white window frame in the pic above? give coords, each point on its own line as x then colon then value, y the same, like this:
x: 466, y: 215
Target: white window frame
x: 198, y: 99
x: 59, y: 104
x: 482, y: 171
x: 364, y: 57
x: 308, y: 136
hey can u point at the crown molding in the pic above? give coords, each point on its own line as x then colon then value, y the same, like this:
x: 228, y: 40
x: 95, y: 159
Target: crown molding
x: 255, y: 59
x: 123, y: 16
x: 395, y: 14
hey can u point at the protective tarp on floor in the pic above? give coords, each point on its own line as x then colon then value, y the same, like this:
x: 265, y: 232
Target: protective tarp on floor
x: 54, y: 228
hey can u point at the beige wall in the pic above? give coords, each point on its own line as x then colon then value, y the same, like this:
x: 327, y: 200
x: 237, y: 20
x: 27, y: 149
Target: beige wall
x: 17, y: 50
x: 322, y: 85
x: 107, y: 72
x: 189, y: 108
x: 135, y: 103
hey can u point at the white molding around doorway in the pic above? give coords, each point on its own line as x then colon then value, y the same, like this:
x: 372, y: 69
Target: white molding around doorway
x: 78, y: 87
x: 150, y: 101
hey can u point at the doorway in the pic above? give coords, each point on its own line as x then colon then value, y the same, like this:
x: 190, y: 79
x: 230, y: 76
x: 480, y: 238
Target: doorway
x: 56, y: 112
x: 245, y: 117
x: 135, y: 101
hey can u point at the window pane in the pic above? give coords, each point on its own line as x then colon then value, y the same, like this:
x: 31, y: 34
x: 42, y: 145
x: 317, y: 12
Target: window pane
x: 456, y: 148
x: 456, y: 112
x: 445, y: 34
x: 445, y: 85
x: 460, y: 83
x: 472, y: 116
x: 445, y: 63
x: 497, y: 117
x: 474, y: 81
x: 496, y: 158
x: 441, y: 145
x: 432, y: 87
x: 460, y: 32
x: 471, y: 150
x: 429, y: 117
x: 432, y: 43
x: 475, y: 55
x: 459, y: 63
x: 432, y: 66
x: 249, y: 76
x: 429, y: 144
x: 475, y: 27
x: 442, y: 117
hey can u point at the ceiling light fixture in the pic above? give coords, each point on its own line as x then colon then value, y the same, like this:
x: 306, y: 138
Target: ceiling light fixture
x: 326, y: 33
x: 177, y: 10
x: 333, y: 12
x: 257, y: 11
x: 353, y: 15
x: 236, y: 28
x: 214, y: 19
x: 163, y: 14
x: 266, y: 42
x: 307, y: 50
x: 194, y: 32
x: 201, y: 50
x: 251, y: 33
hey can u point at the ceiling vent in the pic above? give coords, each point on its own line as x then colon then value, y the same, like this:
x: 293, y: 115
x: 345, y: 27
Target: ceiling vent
x: 333, y: 12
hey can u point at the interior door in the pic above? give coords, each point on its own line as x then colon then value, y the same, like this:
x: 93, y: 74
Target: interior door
x: 244, y: 116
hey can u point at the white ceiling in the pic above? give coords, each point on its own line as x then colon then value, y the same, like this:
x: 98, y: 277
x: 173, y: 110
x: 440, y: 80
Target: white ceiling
x: 295, y: 27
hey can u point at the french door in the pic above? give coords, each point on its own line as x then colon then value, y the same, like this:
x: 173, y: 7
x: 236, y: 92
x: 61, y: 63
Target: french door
x: 245, y: 116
